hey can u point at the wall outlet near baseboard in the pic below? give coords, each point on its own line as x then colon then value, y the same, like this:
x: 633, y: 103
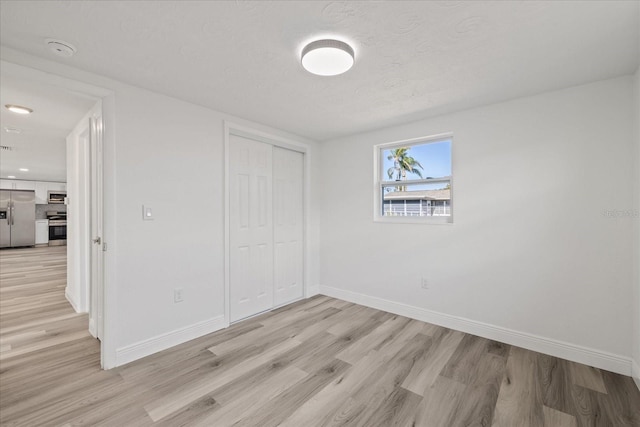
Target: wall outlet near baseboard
x: 424, y: 284
x: 177, y: 295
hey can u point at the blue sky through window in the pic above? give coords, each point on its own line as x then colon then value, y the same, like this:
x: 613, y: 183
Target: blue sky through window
x: 435, y: 158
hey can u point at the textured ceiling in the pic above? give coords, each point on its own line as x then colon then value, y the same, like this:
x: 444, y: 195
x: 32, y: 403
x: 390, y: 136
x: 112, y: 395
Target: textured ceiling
x: 41, y: 146
x: 413, y: 59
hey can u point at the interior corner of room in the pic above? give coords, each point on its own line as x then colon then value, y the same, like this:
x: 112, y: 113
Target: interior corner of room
x: 202, y: 191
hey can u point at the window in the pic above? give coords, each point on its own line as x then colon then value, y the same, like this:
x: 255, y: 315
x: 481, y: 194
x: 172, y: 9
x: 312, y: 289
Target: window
x: 413, y: 181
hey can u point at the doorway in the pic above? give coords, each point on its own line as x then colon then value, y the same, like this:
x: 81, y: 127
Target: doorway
x: 265, y: 224
x: 84, y: 279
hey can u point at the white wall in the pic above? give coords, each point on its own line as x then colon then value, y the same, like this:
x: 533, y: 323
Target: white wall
x: 168, y: 155
x: 636, y: 253
x: 530, y: 258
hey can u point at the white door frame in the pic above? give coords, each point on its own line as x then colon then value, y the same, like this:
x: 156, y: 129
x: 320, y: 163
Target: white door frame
x: 96, y: 226
x: 107, y: 96
x: 84, y: 262
x: 231, y: 128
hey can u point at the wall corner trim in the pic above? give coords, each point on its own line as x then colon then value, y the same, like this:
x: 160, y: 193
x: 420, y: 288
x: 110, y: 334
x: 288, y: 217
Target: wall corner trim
x: 313, y: 290
x: 564, y: 350
x: 635, y: 373
x: 161, y: 342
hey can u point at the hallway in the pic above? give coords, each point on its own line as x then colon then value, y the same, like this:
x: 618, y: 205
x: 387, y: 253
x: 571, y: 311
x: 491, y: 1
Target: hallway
x: 45, y: 346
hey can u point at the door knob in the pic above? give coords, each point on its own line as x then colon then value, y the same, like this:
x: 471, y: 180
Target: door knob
x: 97, y: 240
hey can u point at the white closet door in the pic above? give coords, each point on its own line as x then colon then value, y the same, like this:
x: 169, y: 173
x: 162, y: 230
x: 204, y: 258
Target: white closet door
x: 251, y: 227
x: 288, y: 176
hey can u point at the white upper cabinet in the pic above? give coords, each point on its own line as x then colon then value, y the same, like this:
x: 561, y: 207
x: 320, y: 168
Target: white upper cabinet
x: 12, y: 184
x: 41, y: 193
x: 57, y: 186
x: 41, y: 188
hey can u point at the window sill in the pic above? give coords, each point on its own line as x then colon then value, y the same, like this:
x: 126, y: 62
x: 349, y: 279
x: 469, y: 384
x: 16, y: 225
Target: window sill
x: 413, y: 220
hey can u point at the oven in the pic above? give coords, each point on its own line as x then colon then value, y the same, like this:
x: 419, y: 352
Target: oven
x: 57, y: 228
x: 57, y: 233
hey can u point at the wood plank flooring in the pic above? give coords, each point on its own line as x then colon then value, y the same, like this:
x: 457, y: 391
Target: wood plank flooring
x: 319, y: 362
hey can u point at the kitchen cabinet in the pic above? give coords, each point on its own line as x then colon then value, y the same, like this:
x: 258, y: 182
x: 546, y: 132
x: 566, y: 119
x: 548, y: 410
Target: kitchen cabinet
x: 25, y: 185
x: 41, y: 188
x: 57, y: 186
x: 12, y: 184
x: 42, y: 231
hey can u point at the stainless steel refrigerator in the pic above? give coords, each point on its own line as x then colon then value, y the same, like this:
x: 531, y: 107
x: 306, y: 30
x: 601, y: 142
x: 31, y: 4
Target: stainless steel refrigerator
x: 17, y: 218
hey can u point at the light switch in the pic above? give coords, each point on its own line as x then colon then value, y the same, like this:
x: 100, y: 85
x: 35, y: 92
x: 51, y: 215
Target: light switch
x: 147, y: 213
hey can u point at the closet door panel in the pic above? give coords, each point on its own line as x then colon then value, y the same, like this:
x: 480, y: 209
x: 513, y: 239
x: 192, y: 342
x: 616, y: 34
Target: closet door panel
x: 288, y: 196
x: 250, y: 227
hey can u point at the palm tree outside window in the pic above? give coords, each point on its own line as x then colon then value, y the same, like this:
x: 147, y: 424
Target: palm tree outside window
x: 402, y: 163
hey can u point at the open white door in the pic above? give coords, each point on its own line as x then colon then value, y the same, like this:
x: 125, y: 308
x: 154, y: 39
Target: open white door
x: 96, y: 270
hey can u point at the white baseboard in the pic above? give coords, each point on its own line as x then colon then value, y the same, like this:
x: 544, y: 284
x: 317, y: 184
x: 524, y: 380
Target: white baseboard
x: 564, y: 350
x: 313, y: 290
x: 635, y: 373
x: 162, y: 342
x: 92, y: 328
x: 69, y: 298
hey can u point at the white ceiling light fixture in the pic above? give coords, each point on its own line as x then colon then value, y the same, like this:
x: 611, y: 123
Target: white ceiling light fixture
x: 327, y: 57
x: 18, y: 109
x: 11, y: 176
x: 10, y: 129
x: 24, y: 170
x: 61, y: 47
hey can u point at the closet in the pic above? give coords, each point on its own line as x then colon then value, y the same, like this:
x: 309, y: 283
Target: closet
x: 266, y: 226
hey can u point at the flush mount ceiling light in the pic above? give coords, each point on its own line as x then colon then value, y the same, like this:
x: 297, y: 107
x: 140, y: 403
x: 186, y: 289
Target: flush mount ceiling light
x: 24, y: 170
x: 10, y: 129
x: 18, y: 109
x: 327, y: 57
x: 61, y: 47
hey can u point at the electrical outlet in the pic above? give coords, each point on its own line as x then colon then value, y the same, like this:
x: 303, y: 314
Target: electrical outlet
x: 177, y: 295
x: 424, y: 284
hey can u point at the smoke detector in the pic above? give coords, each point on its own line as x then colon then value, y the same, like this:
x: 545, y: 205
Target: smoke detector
x: 61, y: 47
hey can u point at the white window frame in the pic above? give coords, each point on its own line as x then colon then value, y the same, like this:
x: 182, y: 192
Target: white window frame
x: 379, y: 181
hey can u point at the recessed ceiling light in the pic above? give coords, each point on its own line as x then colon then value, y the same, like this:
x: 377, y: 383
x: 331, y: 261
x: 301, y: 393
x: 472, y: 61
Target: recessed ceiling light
x: 11, y: 177
x: 9, y: 129
x: 61, y: 47
x: 327, y: 57
x: 24, y: 170
x: 18, y: 109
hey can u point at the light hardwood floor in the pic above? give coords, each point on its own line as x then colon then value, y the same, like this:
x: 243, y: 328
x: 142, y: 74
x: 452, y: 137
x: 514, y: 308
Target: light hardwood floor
x: 319, y: 362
